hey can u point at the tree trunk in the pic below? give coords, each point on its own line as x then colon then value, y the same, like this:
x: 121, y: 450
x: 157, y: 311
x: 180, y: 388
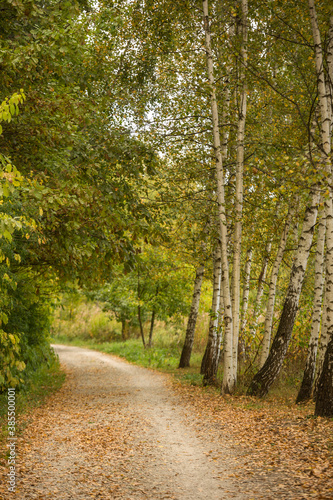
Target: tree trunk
x: 124, y: 329
x: 192, y: 319
x: 246, y: 288
x: 209, y: 361
x: 261, y: 283
x: 263, y: 380
x: 272, y: 290
x: 245, y: 303
x: 141, y: 327
x: 323, y: 343
x: 152, y: 321
x: 228, y: 383
x: 305, y: 391
x: 239, y: 191
x: 330, y: 70
x: 324, y: 396
x: 260, y: 291
x: 139, y: 312
x: 324, y: 399
x: 219, y: 349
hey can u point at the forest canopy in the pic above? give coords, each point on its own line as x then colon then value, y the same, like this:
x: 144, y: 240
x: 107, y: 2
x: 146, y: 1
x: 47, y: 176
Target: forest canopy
x: 148, y: 147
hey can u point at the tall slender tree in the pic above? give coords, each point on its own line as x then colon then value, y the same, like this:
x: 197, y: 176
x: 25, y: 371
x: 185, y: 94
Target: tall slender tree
x: 228, y: 383
x: 210, y: 359
x: 239, y: 184
x: 263, y: 380
x: 192, y: 319
x: 272, y: 288
x: 324, y: 396
x: 305, y: 390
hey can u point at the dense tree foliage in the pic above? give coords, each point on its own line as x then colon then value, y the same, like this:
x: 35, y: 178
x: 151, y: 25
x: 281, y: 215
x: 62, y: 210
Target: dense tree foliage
x: 156, y: 140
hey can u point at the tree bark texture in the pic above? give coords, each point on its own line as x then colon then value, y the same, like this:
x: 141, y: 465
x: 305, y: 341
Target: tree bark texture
x: 151, y: 330
x: 260, y: 291
x: 263, y: 380
x: 139, y: 313
x: 219, y: 349
x: 239, y: 189
x: 124, y: 329
x: 228, y: 372
x: 330, y: 67
x: 209, y: 362
x: 305, y: 391
x: 192, y: 319
x: 330, y: 70
x: 141, y: 327
x: 323, y: 343
x: 324, y: 399
x: 245, y: 302
x: 152, y: 321
x: 272, y: 289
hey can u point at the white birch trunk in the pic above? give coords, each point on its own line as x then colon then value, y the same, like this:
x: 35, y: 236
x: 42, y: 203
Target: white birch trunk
x: 260, y: 291
x: 309, y: 372
x: 324, y: 399
x: 192, y: 319
x: 330, y: 71
x: 239, y: 190
x: 220, y: 331
x: 226, y: 108
x: 272, y: 289
x: 246, y: 288
x: 263, y: 380
x: 325, y: 112
x: 261, y: 282
x: 323, y: 343
x: 245, y: 302
x: 210, y: 360
x: 228, y: 374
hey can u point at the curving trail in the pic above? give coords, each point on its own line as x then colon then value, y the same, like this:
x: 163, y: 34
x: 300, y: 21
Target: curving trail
x: 117, y: 431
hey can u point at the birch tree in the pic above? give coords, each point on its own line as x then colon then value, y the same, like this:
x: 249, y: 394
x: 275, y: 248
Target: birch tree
x: 259, y: 294
x: 324, y: 397
x: 228, y: 373
x: 324, y: 336
x: 210, y: 359
x: 305, y: 390
x: 263, y: 380
x: 268, y: 372
x: 272, y: 289
x: 192, y: 319
x: 322, y: 347
x: 245, y: 301
x: 239, y: 187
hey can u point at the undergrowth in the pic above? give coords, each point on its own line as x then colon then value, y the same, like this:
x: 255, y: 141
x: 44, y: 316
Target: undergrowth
x: 86, y: 324
x: 45, y: 380
x: 163, y: 358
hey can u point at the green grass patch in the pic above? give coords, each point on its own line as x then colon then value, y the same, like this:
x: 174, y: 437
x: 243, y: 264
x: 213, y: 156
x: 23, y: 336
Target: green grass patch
x: 159, y: 356
x: 165, y: 358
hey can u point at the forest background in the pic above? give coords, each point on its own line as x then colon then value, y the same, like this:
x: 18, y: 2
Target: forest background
x: 154, y: 153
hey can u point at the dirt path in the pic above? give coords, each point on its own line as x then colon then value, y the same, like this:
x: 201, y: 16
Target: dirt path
x: 114, y: 431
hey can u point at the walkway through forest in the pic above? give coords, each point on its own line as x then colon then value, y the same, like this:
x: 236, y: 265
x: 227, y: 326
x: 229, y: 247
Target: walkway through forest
x: 117, y: 431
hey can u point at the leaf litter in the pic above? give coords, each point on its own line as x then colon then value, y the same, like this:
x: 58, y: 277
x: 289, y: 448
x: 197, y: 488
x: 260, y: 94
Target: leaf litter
x: 116, y: 431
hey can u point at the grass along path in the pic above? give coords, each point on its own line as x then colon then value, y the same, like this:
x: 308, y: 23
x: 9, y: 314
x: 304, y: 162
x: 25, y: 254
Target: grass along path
x: 163, y: 358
